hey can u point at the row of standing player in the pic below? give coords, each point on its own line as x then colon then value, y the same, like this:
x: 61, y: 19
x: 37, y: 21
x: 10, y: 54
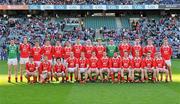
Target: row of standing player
x: 64, y: 52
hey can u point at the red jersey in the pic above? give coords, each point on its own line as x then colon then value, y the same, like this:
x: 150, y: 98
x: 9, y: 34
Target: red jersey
x: 31, y: 67
x: 159, y: 62
x: 36, y: 52
x: 137, y: 62
x: 126, y: 62
x: 83, y: 63
x: 25, y: 50
x: 99, y: 49
x: 58, y: 51
x: 115, y: 62
x: 77, y: 49
x: 59, y: 68
x: 72, y: 62
x: 48, y: 51
x: 124, y: 47
x: 166, y: 52
x: 148, y: 62
x: 93, y: 62
x: 151, y: 49
x: 88, y: 51
x: 137, y: 48
x: 45, y: 66
x: 67, y: 51
x: 104, y: 62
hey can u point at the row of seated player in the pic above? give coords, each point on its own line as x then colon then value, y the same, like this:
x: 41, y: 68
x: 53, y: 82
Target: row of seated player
x: 110, y: 67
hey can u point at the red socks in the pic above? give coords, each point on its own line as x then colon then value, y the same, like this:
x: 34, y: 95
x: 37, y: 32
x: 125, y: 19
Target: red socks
x: 119, y: 76
x: 112, y: 76
x: 9, y: 79
x: 67, y: 78
x: 21, y: 78
x: 16, y: 79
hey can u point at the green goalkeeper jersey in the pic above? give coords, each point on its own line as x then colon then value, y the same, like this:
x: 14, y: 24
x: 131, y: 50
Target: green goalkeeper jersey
x: 111, y: 49
x: 12, y: 51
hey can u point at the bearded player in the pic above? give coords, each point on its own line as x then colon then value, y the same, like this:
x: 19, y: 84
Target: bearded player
x: 126, y: 66
x: 137, y: 65
x: 25, y: 51
x: 60, y: 70
x: 45, y: 70
x: 104, y: 67
x: 115, y: 67
x: 71, y: 66
x: 83, y: 65
x: 166, y: 52
x: 31, y: 70
x: 93, y: 66
x: 149, y: 66
x: 161, y: 67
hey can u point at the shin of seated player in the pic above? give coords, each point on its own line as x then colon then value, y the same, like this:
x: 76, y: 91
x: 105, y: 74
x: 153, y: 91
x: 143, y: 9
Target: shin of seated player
x: 93, y: 70
x: 31, y: 74
x: 162, y: 70
x: 81, y: 71
x: 113, y: 71
x: 139, y: 70
x: 126, y: 70
x: 150, y: 70
x: 73, y: 70
x: 104, y: 70
x: 45, y: 76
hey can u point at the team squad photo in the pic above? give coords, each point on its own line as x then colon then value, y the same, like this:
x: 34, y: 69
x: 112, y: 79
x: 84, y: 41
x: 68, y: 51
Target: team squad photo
x: 88, y: 62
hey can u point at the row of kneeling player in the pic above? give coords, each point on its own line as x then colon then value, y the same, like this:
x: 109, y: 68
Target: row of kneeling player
x: 98, y: 67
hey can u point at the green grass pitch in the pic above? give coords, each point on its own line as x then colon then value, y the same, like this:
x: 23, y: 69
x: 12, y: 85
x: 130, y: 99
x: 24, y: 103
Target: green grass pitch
x: 91, y: 93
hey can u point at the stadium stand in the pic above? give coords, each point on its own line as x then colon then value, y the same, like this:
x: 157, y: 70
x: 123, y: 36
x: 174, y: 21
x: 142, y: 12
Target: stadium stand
x: 101, y: 21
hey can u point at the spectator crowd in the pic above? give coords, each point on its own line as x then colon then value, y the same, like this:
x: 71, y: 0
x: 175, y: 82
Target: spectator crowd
x: 41, y: 28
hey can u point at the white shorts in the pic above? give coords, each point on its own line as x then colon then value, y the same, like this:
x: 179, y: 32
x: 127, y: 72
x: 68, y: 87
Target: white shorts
x: 31, y: 73
x: 82, y: 70
x: 60, y: 74
x: 24, y: 60
x: 93, y: 69
x: 168, y: 62
x: 162, y: 69
x: 115, y: 69
x: 12, y: 61
x: 71, y: 70
x: 45, y: 75
x: 38, y: 63
x: 104, y: 69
